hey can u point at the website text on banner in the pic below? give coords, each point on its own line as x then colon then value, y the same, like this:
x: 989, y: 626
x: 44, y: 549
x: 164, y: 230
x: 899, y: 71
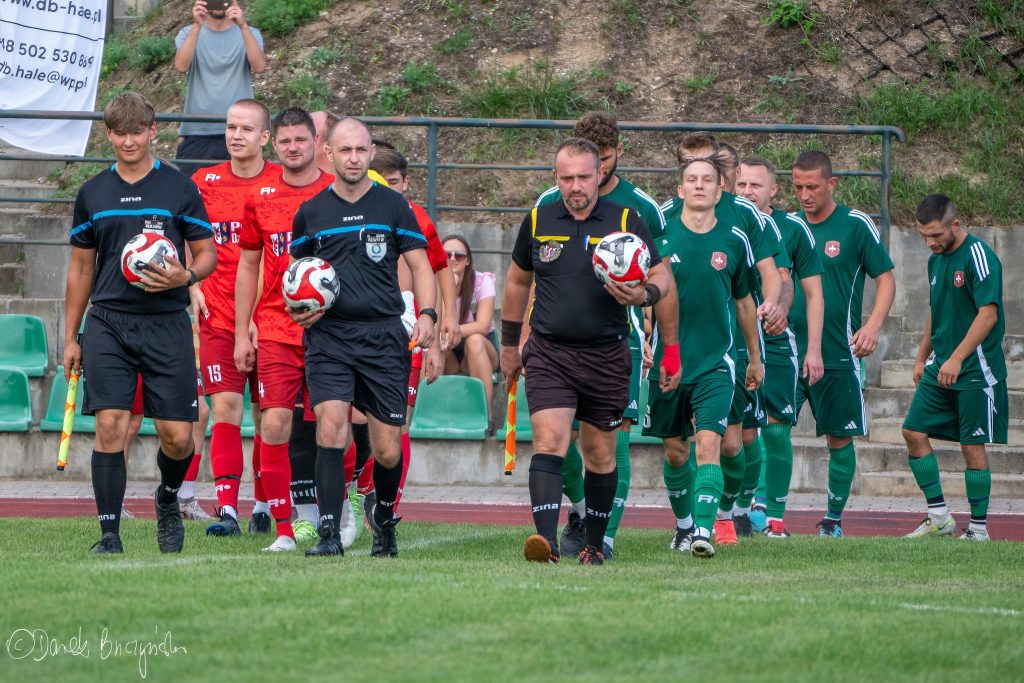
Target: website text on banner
x: 50, y: 55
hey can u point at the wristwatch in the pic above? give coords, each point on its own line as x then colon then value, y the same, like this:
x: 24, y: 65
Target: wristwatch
x: 191, y: 277
x: 430, y: 313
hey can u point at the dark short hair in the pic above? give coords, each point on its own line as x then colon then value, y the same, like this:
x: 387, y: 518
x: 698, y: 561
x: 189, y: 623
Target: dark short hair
x: 381, y: 143
x: 258, y: 106
x: 579, y: 146
x: 935, y: 207
x: 389, y: 159
x: 599, y: 127
x: 760, y: 161
x: 696, y: 140
x: 715, y: 162
x: 814, y: 160
x: 129, y: 112
x: 292, y: 116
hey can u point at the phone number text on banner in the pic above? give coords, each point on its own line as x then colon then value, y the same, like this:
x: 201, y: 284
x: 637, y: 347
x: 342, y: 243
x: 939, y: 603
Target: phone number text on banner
x: 50, y: 57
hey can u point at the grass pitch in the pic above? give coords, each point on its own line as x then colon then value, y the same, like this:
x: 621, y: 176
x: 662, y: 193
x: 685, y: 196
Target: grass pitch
x: 460, y: 604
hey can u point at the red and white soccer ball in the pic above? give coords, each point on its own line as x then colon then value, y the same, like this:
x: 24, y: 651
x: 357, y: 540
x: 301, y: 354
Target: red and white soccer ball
x: 310, y: 284
x: 622, y: 257
x: 145, y: 248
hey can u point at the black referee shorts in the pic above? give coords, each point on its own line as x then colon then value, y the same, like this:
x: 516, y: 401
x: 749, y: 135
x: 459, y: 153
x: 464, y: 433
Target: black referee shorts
x: 366, y: 365
x: 117, y: 347
x: 592, y: 379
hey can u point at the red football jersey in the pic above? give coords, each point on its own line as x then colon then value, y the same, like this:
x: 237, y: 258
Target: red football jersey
x: 224, y: 196
x: 435, y: 250
x: 267, y: 225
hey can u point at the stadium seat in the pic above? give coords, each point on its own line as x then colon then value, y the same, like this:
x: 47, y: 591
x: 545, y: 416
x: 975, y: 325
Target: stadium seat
x: 636, y: 434
x: 524, y: 430
x: 23, y: 344
x: 53, y: 421
x: 453, y: 407
x: 15, y: 401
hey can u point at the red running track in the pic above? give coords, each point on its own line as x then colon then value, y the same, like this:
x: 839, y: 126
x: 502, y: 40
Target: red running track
x: 855, y: 523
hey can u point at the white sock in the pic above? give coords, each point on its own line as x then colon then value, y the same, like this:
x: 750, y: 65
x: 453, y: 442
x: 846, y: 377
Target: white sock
x: 684, y: 523
x: 724, y: 514
x: 580, y: 508
x: 702, y: 532
x: 975, y: 526
x: 187, y: 490
x: 260, y: 506
x: 741, y: 511
x: 309, y: 512
x: 939, y: 511
x: 229, y: 510
x: 609, y: 541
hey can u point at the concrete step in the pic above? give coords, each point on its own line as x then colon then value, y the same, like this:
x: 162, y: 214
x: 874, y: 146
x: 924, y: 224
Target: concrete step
x: 890, y: 430
x: 13, y: 219
x: 35, y: 169
x: 898, y: 373
x: 12, y: 253
x: 904, y: 344
x: 29, y: 189
x: 873, y: 456
x: 903, y: 484
x: 894, y: 402
x: 12, y: 279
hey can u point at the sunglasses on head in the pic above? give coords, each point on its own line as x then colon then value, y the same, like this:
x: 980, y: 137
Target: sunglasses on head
x: 457, y: 255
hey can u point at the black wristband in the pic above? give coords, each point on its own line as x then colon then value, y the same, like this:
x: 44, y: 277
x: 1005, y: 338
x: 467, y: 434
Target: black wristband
x: 511, y: 330
x: 653, y: 294
x: 191, y: 277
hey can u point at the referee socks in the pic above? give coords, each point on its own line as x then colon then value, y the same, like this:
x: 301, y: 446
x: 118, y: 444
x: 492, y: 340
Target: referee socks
x: 109, y: 478
x: 172, y: 474
x: 386, y: 482
x: 546, y: 495
x: 599, y: 492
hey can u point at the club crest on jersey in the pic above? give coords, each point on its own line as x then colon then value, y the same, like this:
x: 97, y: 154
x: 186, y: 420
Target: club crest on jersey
x: 226, y: 232
x: 719, y: 260
x: 832, y: 249
x: 279, y: 243
x: 154, y: 224
x: 376, y: 246
x: 549, y: 251
x: 958, y: 278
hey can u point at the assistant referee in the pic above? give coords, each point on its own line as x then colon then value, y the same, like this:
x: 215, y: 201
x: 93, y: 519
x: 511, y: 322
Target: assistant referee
x: 577, y: 360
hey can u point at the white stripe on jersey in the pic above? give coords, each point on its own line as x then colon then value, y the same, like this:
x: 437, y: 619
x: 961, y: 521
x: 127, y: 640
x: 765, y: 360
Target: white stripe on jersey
x: 666, y: 206
x: 750, y: 206
x: 980, y: 260
x: 807, y: 229
x: 770, y: 222
x: 867, y: 221
x: 746, y: 246
x: 546, y: 193
x: 644, y: 197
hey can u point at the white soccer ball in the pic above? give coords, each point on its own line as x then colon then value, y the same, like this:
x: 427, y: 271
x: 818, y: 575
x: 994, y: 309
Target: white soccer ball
x: 147, y: 248
x: 310, y: 284
x: 621, y: 257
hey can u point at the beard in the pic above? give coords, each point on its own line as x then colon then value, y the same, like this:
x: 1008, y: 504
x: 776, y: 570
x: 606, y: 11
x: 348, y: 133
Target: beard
x: 577, y: 203
x: 609, y: 173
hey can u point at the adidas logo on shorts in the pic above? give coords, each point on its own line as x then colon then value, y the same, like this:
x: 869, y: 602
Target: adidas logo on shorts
x: 851, y: 425
x: 979, y: 432
x: 788, y: 410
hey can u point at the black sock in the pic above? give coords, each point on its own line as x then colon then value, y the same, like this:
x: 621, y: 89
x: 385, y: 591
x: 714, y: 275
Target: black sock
x: 599, y: 492
x: 386, y: 482
x: 361, y: 437
x: 330, y: 485
x: 302, y: 452
x: 109, y: 479
x: 172, y: 473
x: 546, y: 493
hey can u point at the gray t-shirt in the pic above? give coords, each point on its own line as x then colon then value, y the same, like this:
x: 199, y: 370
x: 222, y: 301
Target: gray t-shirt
x: 218, y: 77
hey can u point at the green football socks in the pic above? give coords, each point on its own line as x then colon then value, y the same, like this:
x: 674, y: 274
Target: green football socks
x: 679, y: 484
x: 707, y: 491
x: 926, y: 474
x: 753, y: 454
x: 778, y: 468
x: 733, y: 470
x: 572, y: 474
x: 842, y: 463
x: 979, y: 487
x: 622, y: 488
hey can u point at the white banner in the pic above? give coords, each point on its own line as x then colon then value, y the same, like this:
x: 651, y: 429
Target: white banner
x: 50, y: 56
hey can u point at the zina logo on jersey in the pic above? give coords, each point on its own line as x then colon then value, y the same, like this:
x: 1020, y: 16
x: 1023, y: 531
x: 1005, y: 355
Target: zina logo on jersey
x: 958, y: 278
x: 719, y: 260
x: 832, y: 249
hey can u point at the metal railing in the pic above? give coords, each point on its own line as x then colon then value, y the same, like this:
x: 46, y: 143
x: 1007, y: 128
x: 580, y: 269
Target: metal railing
x: 434, y: 166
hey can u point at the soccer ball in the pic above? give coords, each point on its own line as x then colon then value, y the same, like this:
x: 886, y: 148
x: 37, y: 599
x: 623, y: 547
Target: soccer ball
x: 310, y: 284
x: 621, y: 257
x: 142, y: 249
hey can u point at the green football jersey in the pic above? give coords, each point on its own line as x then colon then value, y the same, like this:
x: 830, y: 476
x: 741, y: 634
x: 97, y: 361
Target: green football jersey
x: 960, y: 284
x: 849, y: 246
x: 710, y: 271
x: 764, y: 241
x: 798, y: 244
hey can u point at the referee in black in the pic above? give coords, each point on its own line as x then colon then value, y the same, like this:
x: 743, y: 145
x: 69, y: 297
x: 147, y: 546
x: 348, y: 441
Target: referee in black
x: 131, y: 331
x: 576, y: 360
x: 357, y: 352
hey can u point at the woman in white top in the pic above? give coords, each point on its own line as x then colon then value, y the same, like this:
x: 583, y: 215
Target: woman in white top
x: 477, y: 353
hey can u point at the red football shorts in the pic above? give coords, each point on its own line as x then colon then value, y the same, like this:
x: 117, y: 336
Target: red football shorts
x: 282, y: 374
x: 217, y: 362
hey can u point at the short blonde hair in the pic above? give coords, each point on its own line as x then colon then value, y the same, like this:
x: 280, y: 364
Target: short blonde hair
x: 129, y: 112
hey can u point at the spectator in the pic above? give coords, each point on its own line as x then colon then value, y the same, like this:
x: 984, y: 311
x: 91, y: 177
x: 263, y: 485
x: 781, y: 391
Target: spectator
x: 477, y: 354
x: 220, y: 52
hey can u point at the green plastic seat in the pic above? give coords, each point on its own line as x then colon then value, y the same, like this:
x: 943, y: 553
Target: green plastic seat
x: 23, y: 344
x: 524, y: 429
x: 15, y: 401
x: 453, y: 407
x: 53, y: 421
x: 636, y: 433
